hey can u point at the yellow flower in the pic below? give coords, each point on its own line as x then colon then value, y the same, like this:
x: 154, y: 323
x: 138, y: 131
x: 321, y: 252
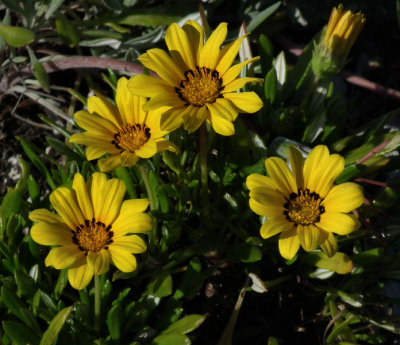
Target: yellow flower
x: 303, y: 205
x: 197, y: 80
x: 124, y: 131
x: 341, y: 32
x: 93, y: 228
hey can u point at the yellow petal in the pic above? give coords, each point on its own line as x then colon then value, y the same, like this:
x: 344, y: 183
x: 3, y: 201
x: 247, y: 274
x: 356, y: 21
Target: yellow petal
x: 194, y: 118
x: 129, y: 105
x: 132, y: 244
x: 329, y: 247
x: 128, y: 159
x: 147, y: 86
x: 97, y: 193
x: 132, y: 223
x: 332, y: 168
x: 195, y: 35
x: 113, y: 194
x: 239, y: 83
x: 220, y: 124
x: 80, y: 275
x: 122, y: 259
x: 62, y: 257
x: 344, y: 198
x: 209, y: 54
x: 166, y: 99
x: 245, y: 102
x: 257, y: 180
x: 159, y: 61
x: 44, y: 215
x: 339, y: 223
x: 83, y: 196
x: 133, y: 206
x: 172, y: 118
x: 97, y: 146
x: 234, y: 71
x: 228, y: 55
x: 274, y: 226
x: 99, y: 105
x: 289, y: 243
x: 282, y: 176
x: 50, y: 234
x: 297, y: 163
x: 65, y: 203
x: 179, y: 47
x: 313, y: 166
x: 266, y: 202
x: 99, y: 262
x: 95, y: 124
x: 109, y: 163
x: 148, y: 150
x: 310, y: 236
x: 223, y: 108
x: 163, y: 145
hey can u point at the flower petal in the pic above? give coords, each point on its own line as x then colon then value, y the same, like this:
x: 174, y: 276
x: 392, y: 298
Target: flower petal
x: 132, y: 223
x: 99, y: 262
x: 132, y: 244
x: 332, y: 168
x: 257, y: 180
x: 148, y: 86
x: 245, y: 102
x: 83, y: 196
x: 62, y: 257
x: 234, y: 71
x: 239, y: 83
x: 113, y: 194
x: 122, y: 259
x: 219, y: 123
x: 179, y: 47
x: 95, y: 124
x: 65, y: 203
x: 344, y: 198
x: 148, y: 150
x: 209, y: 54
x: 45, y: 216
x: 101, y: 106
x: 163, y: 145
x: 274, y: 226
x: 194, y: 118
x: 282, y: 176
x: 50, y: 234
x: 289, y: 243
x: 329, y: 247
x: 228, y: 54
x: 129, y: 105
x: 297, y: 163
x: 160, y: 62
x: 310, y: 236
x: 110, y: 163
x: 339, y: 223
x: 133, y: 206
x: 195, y: 35
x: 80, y: 275
x: 266, y: 202
x: 173, y: 118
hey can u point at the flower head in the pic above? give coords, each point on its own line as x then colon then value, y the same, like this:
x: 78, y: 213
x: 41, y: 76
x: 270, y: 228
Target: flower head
x: 124, y: 130
x: 197, y: 81
x: 302, y: 204
x: 93, y: 227
x: 341, y: 32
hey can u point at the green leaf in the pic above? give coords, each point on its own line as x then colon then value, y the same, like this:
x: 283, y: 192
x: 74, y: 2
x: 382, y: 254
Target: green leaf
x: 64, y: 149
x: 262, y: 16
x: 123, y: 174
x: 192, y: 279
x: 339, y: 263
x: 244, y: 252
x: 55, y: 326
x: 114, y: 321
x: 171, y: 339
x: 33, y: 190
x: 161, y: 285
x: 12, y: 302
x: 16, y: 36
x: 349, y: 173
x: 386, y: 198
x: 272, y: 341
x: 38, y: 71
x: 186, y: 324
x: 266, y: 53
x: 152, y: 16
x: 271, y: 85
x: 10, y: 204
x: 66, y: 30
x: 29, y: 319
x: 26, y: 285
x: 19, y: 333
x: 54, y: 5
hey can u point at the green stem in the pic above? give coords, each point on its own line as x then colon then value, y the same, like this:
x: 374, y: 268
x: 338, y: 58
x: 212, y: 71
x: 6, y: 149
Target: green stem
x: 150, y: 194
x: 97, y: 302
x: 203, y: 165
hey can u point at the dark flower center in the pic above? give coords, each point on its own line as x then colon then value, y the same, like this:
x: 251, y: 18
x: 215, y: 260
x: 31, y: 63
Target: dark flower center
x: 131, y: 137
x: 92, y: 236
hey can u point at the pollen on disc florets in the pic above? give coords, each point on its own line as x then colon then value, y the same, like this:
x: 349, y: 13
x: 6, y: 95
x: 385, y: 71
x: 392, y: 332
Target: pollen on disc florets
x: 92, y: 236
x: 201, y: 86
x: 131, y: 137
x: 304, y: 207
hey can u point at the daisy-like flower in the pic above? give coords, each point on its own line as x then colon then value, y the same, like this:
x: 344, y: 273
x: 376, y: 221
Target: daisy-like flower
x: 124, y: 130
x: 197, y: 81
x: 341, y: 32
x: 302, y: 204
x: 93, y: 227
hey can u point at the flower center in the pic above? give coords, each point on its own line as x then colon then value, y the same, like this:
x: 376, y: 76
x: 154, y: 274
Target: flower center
x: 304, y: 207
x: 131, y: 137
x: 201, y: 86
x: 92, y: 236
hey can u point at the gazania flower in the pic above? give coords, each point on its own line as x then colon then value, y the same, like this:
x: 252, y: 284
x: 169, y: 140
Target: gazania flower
x: 302, y: 204
x: 197, y: 81
x: 124, y: 131
x: 340, y: 34
x: 93, y: 228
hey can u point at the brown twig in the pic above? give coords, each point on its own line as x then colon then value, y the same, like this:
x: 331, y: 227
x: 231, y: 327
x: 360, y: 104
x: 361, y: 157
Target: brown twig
x: 375, y: 183
x: 374, y: 151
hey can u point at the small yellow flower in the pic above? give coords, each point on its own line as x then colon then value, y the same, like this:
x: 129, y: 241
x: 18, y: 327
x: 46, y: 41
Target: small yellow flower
x: 341, y: 32
x: 124, y: 131
x: 197, y: 80
x: 93, y: 228
x: 303, y: 205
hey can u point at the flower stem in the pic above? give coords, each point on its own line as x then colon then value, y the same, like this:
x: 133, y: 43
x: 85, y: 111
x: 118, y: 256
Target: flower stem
x: 203, y: 165
x: 150, y: 194
x: 97, y: 302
